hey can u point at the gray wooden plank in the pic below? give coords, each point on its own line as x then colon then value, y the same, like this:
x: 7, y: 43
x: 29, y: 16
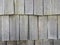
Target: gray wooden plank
x: 52, y: 27
x: 1, y: 7
x: 51, y: 7
x: 28, y: 6
x: 14, y: 27
x: 5, y: 28
x: 2, y: 43
x: 11, y: 42
x: 56, y: 42
x: 33, y: 30
x: 42, y: 27
x: 19, y: 6
x: 23, y: 27
x: 8, y: 7
x: 38, y: 7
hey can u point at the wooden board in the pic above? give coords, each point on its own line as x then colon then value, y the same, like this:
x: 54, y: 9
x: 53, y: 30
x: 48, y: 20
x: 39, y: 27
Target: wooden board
x: 5, y: 28
x: 1, y: 7
x: 38, y: 7
x: 14, y: 27
x: 23, y: 27
x: 56, y: 42
x: 42, y: 27
x: 33, y: 30
x: 52, y: 27
x: 28, y: 6
x: 2, y: 43
x: 8, y: 7
x: 19, y: 6
x: 51, y: 7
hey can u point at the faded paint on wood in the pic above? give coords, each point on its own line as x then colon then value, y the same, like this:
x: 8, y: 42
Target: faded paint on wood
x: 19, y: 6
x: 52, y: 27
x: 23, y: 27
x: 14, y: 27
x: 5, y: 28
x: 51, y: 7
x: 33, y: 30
x: 43, y: 27
x: 28, y: 6
x: 38, y: 7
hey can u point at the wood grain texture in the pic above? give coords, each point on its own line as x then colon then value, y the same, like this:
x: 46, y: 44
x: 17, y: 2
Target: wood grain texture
x: 52, y: 27
x: 8, y: 7
x: 19, y: 6
x: 33, y: 30
x: 51, y: 7
x: 14, y: 27
x: 38, y: 7
x: 28, y: 6
x: 23, y: 27
x: 42, y: 27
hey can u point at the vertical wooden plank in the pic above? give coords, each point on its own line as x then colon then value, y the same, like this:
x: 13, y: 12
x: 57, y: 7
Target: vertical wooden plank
x: 11, y: 43
x: 28, y: 6
x: 1, y: 7
x: 56, y: 42
x: 51, y: 7
x: 23, y: 27
x: 38, y: 7
x: 33, y: 30
x: 52, y: 27
x: 5, y: 28
x: 8, y: 7
x: 14, y: 27
x: 19, y: 6
x: 2, y: 43
x: 43, y: 27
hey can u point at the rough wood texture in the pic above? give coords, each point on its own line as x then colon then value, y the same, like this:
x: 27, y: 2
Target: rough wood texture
x: 14, y: 27
x: 51, y: 7
x: 43, y: 27
x: 38, y: 7
x: 23, y: 27
x: 19, y: 6
x: 33, y: 30
x: 28, y: 6
x: 52, y: 27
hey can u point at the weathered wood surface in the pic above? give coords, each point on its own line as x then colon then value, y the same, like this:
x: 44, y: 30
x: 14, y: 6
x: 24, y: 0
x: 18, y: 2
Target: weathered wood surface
x: 33, y: 30
x: 19, y: 6
x: 28, y: 6
x: 56, y: 42
x: 23, y: 27
x: 52, y: 27
x: 38, y: 7
x: 43, y: 27
x: 51, y: 7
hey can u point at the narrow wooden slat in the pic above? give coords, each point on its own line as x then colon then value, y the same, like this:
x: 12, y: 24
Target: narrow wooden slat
x: 56, y: 42
x: 23, y: 27
x: 11, y: 42
x: 14, y: 27
x: 5, y: 28
x: 33, y: 30
x: 28, y: 6
x: 52, y: 27
x: 8, y: 7
x: 51, y: 7
x: 38, y: 7
x: 1, y: 7
x: 19, y: 6
x: 43, y: 27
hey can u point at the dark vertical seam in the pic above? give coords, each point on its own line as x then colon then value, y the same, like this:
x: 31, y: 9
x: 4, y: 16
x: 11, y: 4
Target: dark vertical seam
x: 14, y: 5
x: 24, y: 6
x: 43, y: 7
x: 57, y: 27
x: 9, y: 27
x: 5, y: 42
x: 47, y: 27
x: 33, y: 7
x: 19, y: 27
x: 28, y: 28
x: 34, y: 42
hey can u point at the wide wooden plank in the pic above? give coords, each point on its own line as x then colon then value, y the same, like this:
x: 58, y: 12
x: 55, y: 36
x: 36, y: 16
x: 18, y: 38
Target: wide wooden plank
x: 23, y: 27
x: 52, y: 27
x: 19, y: 6
x: 56, y: 42
x: 28, y: 6
x: 38, y: 7
x: 42, y: 27
x: 33, y: 30
x: 51, y: 7
x: 1, y: 7
x: 5, y: 28
x: 14, y: 27
x: 2, y: 43
x: 8, y: 7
